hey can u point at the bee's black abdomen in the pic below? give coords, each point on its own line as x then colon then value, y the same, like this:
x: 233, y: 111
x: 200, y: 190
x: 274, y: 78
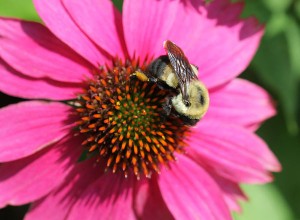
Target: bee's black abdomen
x: 155, y: 72
x: 156, y: 68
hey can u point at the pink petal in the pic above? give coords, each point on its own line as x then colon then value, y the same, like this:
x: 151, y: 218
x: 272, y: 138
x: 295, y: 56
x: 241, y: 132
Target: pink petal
x: 16, y: 84
x: 101, y: 21
x: 148, y: 202
x: 56, y: 18
x: 32, y: 49
x: 31, y: 126
x: 229, y: 103
x: 232, y: 152
x: 57, y: 204
x: 25, y: 180
x: 190, y: 193
x: 212, y: 35
x: 231, y: 191
x: 109, y: 197
x: 146, y: 24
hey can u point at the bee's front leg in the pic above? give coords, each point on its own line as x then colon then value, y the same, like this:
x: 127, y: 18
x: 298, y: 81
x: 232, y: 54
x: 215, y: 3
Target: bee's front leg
x: 167, y: 106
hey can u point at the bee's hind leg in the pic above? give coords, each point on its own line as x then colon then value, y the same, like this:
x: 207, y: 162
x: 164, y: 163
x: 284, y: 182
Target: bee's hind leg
x: 140, y: 76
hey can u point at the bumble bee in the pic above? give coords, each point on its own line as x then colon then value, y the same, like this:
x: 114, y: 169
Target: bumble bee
x: 173, y: 71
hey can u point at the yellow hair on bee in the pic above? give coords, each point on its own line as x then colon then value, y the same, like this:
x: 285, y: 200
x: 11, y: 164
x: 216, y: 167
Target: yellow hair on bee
x: 141, y: 76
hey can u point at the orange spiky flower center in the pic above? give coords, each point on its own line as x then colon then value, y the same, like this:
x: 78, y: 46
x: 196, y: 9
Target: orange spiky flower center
x: 124, y: 123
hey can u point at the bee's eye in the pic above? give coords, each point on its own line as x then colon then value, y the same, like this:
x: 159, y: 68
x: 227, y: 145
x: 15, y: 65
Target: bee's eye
x: 186, y: 103
x: 202, y: 100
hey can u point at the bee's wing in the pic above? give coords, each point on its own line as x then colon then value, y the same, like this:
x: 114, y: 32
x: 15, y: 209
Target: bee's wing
x: 181, y: 66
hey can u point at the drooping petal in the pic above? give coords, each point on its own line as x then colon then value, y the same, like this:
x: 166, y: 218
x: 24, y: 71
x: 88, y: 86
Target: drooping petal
x: 25, y: 180
x: 30, y: 126
x: 110, y: 197
x: 231, y: 191
x: 212, y: 35
x: 57, y: 19
x: 240, y: 102
x: 101, y: 21
x: 148, y: 202
x: 232, y: 152
x: 16, y: 84
x: 190, y: 193
x: 32, y: 49
x: 58, y: 203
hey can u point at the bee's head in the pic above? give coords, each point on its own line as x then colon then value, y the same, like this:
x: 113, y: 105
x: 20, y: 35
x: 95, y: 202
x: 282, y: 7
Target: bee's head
x: 197, y: 103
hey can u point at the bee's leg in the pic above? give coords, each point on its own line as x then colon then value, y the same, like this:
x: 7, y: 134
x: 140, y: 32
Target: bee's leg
x: 141, y: 76
x: 153, y: 79
x: 167, y: 106
x: 160, y: 83
x: 148, y: 78
x: 144, y: 78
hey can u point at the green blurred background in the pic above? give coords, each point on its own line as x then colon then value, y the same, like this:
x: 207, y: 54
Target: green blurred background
x: 276, y: 67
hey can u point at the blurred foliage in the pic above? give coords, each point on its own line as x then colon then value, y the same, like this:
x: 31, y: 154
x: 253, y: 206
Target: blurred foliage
x: 277, y: 68
x: 18, y: 8
x: 277, y: 61
x: 287, y: 148
x: 267, y: 203
x: 118, y: 3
